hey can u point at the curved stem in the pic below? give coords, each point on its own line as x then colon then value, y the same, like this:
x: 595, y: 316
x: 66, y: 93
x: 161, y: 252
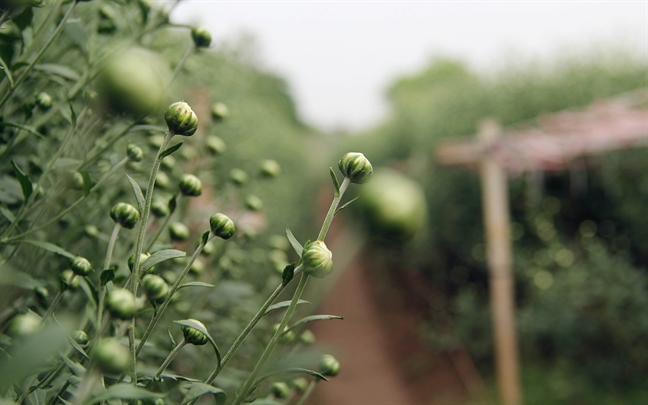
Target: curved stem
x: 331, y: 212
x: 186, y: 56
x: 56, y: 300
x: 107, y: 260
x: 170, y: 358
x: 308, y: 392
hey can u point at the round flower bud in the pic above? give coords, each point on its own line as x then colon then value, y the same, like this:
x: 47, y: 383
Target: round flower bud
x: 162, y: 180
x: 219, y: 111
x: 280, y: 390
x: 81, y: 266
x: 307, y: 337
x: 178, y: 232
x: 329, y: 366
x: 222, y: 226
x: 194, y: 336
x: 41, y: 293
x: 44, y: 100
x: 201, y: 37
x: 253, y: 203
x: 287, y: 337
x: 125, y: 215
x: 80, y: 337
x: 190, y: 185
x: 197, y: 267
x: 66, y: 275
x: 111, y: 356
x: 209, y: 249
x: 160, y: 208
x: 181, y: 119
x: 238, y: 177
x: 216, y: 145
x: 107, y: 17
x: 134, y: 152
x: 356, y: 167
x: 155, y: 287
x: 156, y: 141
x: 270, y: 168
x: 121, y: 303
x: 76, y: 180
x: 24, y: 325
x: 169, y: 162
x: 317, y: 259
x: 299, y: 384
x: 91, y: 230
x: 143, y: 256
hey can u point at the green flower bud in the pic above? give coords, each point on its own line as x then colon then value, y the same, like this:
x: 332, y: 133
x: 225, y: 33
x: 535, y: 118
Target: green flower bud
x: 299, y: 384
x: 307, y: 337
x: 201, y: 37
x: 134, y: 152
x: 238, y: 177
x: 194, y: 336
x: 107, y: 24
x: 356, y: 167
x: 216, y: 145
x: 91, y: 230
x: 190, y: 185
x: 209, y: 249
x: 66, y: 274
x: 143, y: 257
x: 144, y: 5
x: 170, y: 277
x: 24, y: 325
x: 155, y: 141
x: 178, y: 232
x: 44, y: 100
x: 160, y: 208
x: 155, y: 287
x: 280, y: 389
x: 317, y: 259
x: 41, y: 293
x: 329, y: 366
x: 121, y: 303
x: 111, y: 356
x: 81, y: 266
x: 197, y: 267
x: 279, y: 242
x: 162, y: 180
x: 287, y: 337
x: 270, y: 168
x: 253, y: 203
x: 169, y: 162
x: 181, y: 119
x: 222, y: 226
x: 219, y: 111
x: 80, y: 337
x: 125, y: 215
x: 76, y: 180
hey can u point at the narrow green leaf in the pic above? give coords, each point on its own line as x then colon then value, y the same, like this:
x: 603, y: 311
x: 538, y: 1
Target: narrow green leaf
x: 63, y: 284
x: 27, y: 111
x: 293, y: 242
x: 73, y: 115
x: 196, y: 284
x: 49, y: 246
x: 24, y: 128
x: 138, y: 194
x: 76, y: 368
x: 7, y: 72
x: 313, y: 318
x: 198, y: 326
x: 292, y: 370
x: 107, y: 275
x: 25, y: 184
x: 160, y: 256
x: 196, y: 390
x: 173, y: 203
x: 344, y: 206
x: 59, y: 70
x: 170, y: 150
x: 124, y: 391
x: 288, y: 274
x: 89, y: 289
x: 283, y: 304
x: 64, y: 402
x: 87, y: 183
x: 7, y: 214
x: 173, y: 342
x: 78, y: 348
x: 205, y: 238
x: 336, y: 185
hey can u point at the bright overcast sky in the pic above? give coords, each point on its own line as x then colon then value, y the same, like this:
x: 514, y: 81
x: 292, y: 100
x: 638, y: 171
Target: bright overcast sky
x: 339, y: 57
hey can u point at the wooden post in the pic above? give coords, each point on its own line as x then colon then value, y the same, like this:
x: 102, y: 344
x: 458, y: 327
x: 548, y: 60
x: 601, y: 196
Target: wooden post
x: 498, y: 246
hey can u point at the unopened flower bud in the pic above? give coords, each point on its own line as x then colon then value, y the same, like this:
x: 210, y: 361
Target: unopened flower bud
x: 201, y: 37
x: 68, y: 274
x: 178, y: 232
x: 24, y: 325
x: 190, y: 185
x: 219, y: 111
x: 216, y: 145
x: 44, y: 100
x: 280, y: 389
x: 356, y: 167
x: 91, y: 230
x: 125, y: 215
x: 169, y: 162
x: 329, y: 366
x: 160, y: 208
x: 107, y: 17
x: 307, y: 337
x: 121, y: 303
x: 253, y: 203
x: 194, y: 336
x: 222, y: 226
x: 209, y: 249
x: 197, y: 267
x: 299, y: 384
x: 134, y: 152
x: 287, y: 337
x: 41, y: 293
x: 155, y: 287
x: 270, y: 168
x: 317, y: 259
x: 238, y: 177
x: 162, y: 180
x: 111, y: 356
x: 143, y: 257
x: 76, y: 180
x: 181, y: 119
x: 80, y: 337
x: 81, y: 266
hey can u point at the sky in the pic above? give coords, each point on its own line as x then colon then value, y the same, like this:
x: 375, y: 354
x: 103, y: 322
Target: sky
x: 339, y: 57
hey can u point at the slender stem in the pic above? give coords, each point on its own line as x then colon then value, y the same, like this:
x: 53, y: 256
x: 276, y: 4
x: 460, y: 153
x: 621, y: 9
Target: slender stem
x: 308, y: 392
x: 107, y: 260
x: 96, y: 154
x: 161, y: 228
x: 243, y: 393
x: 57, y: 299
x: 186, y: 56
x: 170, y: 358
x: 331, y: 212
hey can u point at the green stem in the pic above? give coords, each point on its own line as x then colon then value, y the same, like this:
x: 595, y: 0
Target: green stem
x: 243, y: 393
x: 96, y: 154
x: 186, y: 56
x: 56, y: 300
x: 108, y: 259
x: 331, y: 212
x: 308, y: 392
x: 170, y: 358
x: 161, y: 228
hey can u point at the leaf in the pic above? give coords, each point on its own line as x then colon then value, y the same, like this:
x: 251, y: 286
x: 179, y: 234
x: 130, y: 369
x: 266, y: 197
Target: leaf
x: 159, y: 257
x: 79, y: 348
x: 26, y: 129
x: 58, y: 70
x: 173, y: 342
x: 292, y: 370
x: 7, y: 214
x: 73, y: 115
x: 76, y: 368
x: 196, y: 390
x: 196, y: 284
x: 173, y: 203
x: 205, y: 238
x: 64, y: 402
x: 124, y: 391
x: 24, y: 19
x: 293, y: 241
x: 344, y: 206
x: 313, y: 318
x: 138, y: 194
x: 283, y: 304
x: 7, y: 72
x: 335, y: 182
x: 107, y: 275
x: 25, y: 184
x: 201, y: 328
x: 49, y: 246
x: 287, y: 274
x: 170, y: 150
x: 89, y: 289
x: 88, y: 184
